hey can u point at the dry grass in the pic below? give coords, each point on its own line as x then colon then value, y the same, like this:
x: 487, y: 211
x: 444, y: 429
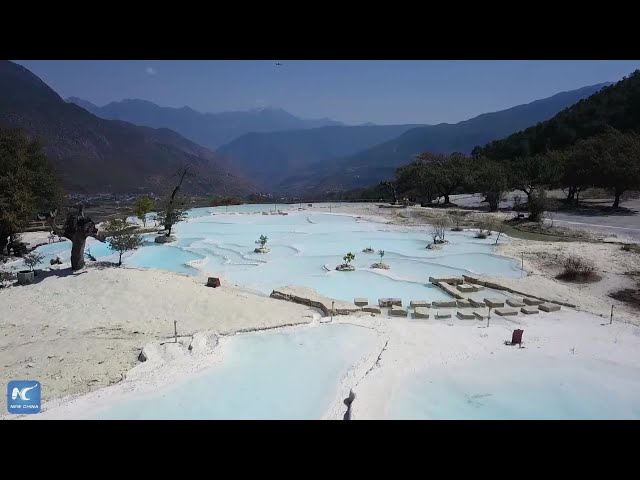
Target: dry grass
x: 577, y: 269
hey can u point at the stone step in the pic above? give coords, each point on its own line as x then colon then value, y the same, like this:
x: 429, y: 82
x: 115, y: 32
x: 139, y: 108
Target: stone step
x: 514, y: 302
x: 532, y: 301
x: 421, y: 312
x: 504, y: 312
x: 477, y: 303
x: 530, y: 310
x: 494, y: 302
x: 467, y: 288
x: 449, y: 289
x: 453, y: 280
x: 443, y: 314
x: 464, y: 303
x: 388, y: 302
x: 371, y: 309
x: 397, y: 311
x: 419, y: 303
x: 480, y: 315
x: 445, y: 303
x: 361, y: 302
x: 465, y: 316
x: 549, y: 307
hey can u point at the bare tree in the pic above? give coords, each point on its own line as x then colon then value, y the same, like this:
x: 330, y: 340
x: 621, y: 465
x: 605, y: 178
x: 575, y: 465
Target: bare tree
x: 438, y: 229
x: 174, y: 211
x: 500, y: 228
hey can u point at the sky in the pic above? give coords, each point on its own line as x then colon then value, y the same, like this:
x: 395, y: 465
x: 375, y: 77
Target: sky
x: 351, y: 91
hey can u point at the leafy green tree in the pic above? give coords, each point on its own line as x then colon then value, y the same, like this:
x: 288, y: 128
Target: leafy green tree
x: 528, y: 173
x: 416, y: 180
x: 348, y: 258
x: 449, y: 172
x: 618, y: 163
x: 576, y: 168
x: 142, y: 207
x: 121, y: 237
x: 28, y: 183
x: 491, y: 178
x: 263, y: 240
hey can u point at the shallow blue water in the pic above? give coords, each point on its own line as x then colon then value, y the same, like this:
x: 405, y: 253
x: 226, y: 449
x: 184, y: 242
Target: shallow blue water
x: 517, y: 389
x: 286, y: 374
x: 305, y: 248
x: 304, y: 243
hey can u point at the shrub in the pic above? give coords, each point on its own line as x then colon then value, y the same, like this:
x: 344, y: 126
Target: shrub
x: 537, y: 204
x: 576, y: 268
x: 438, y: 229
x: 6, y: 278
x: 484, y: 228
x: 456, y: 219
x: 33, y: 259
x: 348, y: 258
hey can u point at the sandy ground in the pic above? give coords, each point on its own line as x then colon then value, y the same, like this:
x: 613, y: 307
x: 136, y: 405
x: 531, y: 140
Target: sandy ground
x: 78, y: 332
x: 542, y: 263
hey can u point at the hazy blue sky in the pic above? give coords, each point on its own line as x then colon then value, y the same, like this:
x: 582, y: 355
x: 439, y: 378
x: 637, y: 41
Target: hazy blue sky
x: 383, y: 92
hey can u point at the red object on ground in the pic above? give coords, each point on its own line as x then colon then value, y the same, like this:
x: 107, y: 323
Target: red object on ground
x: 213, y: 282
x: 516, y: 338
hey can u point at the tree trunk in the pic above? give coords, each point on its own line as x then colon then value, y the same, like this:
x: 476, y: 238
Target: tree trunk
x: 183, y: 172
x: 144, y: 222
x: 168, y: 227
x: 4, y: 240
x: 616, y: 202
x: 577, y: 197
x: 571, y: 194
x: 120, y: 260
x: 77, y: 228
x: 446, y: 198
x: 78, y: 240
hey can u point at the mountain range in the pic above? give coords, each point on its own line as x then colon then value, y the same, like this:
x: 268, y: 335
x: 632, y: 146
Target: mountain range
x: 210, y: 130
x: 96, y: 155
x: 275, y: 157
x: 380, y: 161
x: 135, y: 145
x: 615, y: 106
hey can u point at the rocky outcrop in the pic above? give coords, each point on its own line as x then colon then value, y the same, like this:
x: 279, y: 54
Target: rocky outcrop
x: 345, y: 268
x: 165, y: 239
x: 383, y: 266
x: 308, y: 296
